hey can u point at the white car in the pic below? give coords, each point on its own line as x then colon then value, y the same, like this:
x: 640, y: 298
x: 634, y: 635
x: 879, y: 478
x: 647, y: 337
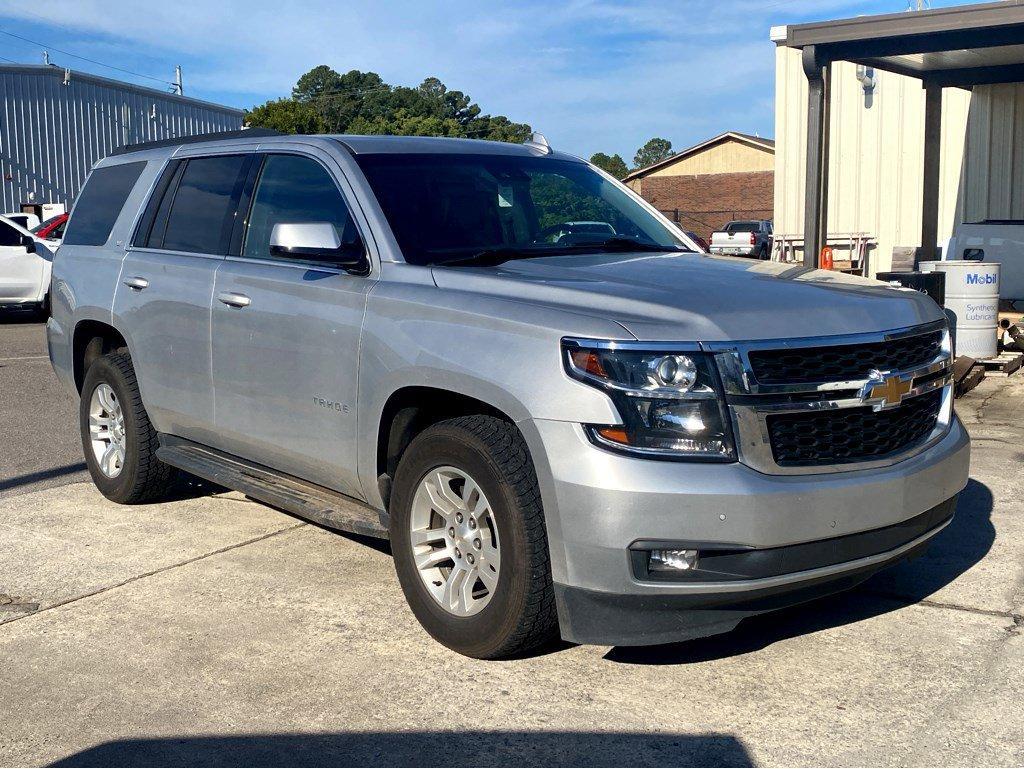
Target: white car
x: 25, y: 263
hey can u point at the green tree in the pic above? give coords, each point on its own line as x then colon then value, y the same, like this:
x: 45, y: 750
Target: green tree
x: 327, y: 101
x: 613, y: 164
x: 654, y: 151
x: 287, y: 116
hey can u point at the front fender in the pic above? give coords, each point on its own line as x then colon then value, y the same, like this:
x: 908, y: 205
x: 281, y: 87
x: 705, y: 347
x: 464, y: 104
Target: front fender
x: 504, y: 353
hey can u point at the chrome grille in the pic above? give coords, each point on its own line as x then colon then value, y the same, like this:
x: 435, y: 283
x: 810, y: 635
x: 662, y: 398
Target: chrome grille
x: 840, y: 362
x: 851, y: 435
x: 816, y: 404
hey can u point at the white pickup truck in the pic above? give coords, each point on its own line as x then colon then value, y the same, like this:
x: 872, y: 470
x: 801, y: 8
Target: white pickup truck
x: 994, y: 240
x: 749, y: 237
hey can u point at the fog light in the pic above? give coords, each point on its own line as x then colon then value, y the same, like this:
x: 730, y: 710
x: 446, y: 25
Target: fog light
x: 680, y: 560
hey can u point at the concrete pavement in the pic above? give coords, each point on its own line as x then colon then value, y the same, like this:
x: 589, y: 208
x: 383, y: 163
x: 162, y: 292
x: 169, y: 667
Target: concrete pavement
x: 214, y: 630
x: 39, y: 444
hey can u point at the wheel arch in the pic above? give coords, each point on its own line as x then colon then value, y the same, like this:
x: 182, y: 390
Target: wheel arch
x: 410, y: 410
x: 90, y: 340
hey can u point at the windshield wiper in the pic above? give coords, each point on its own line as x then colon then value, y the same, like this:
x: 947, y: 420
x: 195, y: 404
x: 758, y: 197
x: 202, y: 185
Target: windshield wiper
x: 620, y: 243
x: 491, y: 257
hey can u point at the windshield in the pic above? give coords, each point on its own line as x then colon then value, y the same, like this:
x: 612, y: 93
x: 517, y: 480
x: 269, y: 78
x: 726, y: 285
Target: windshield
x: 742, y: 226
x: 447, y: 207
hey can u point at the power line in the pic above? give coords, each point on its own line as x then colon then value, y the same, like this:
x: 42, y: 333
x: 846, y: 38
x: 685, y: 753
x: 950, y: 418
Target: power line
x: 84, y: 58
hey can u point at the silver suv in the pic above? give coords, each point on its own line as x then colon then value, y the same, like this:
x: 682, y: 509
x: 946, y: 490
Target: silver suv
x: 564, y: 417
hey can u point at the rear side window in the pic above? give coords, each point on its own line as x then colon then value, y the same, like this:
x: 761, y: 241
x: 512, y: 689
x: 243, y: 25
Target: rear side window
x: 100, y: 202
x: 153, y: 223
x: 196, y: 210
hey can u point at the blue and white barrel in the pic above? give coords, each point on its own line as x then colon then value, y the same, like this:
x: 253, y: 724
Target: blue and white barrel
x: 972, y: 294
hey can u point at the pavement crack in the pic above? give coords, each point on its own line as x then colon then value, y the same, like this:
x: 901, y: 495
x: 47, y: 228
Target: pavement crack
x: 153, y: 573
x: 1018, y: 619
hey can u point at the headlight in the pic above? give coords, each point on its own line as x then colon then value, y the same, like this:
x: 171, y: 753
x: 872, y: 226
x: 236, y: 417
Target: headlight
x: 671, y: 403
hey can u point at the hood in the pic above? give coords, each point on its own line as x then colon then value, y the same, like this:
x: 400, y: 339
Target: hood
x: 696, y: 297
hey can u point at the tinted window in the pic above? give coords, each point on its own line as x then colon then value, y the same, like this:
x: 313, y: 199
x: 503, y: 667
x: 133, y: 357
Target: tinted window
x: 100, y: 202
x: 294, y: 189
x: 8, y: 235
x: 203, y: 206
x: 742, y: 227
x: 153, y: 223
x: 446, y: 206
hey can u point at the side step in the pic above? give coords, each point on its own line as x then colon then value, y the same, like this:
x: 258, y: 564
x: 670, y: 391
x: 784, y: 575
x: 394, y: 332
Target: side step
x: 301, y: 498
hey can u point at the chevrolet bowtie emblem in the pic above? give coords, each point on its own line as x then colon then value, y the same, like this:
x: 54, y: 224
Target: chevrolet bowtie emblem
x: 885, y: 390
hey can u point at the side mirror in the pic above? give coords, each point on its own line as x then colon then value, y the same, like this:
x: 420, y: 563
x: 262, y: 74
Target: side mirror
x: 318, y: 242
x: 28, y: 242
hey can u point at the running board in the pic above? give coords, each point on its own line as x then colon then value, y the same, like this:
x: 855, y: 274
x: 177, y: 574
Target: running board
x: 301, y: 498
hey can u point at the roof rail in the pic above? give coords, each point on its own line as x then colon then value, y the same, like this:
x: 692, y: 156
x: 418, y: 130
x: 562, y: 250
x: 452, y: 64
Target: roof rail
x: 197, y: 139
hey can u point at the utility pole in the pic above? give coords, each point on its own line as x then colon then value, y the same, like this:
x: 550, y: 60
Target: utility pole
x: 46, y: 57
x: 178, y: 87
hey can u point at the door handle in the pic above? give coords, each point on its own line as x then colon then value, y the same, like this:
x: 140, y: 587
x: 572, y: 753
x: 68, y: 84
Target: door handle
x: 137, y: 283
x: 232, y: 299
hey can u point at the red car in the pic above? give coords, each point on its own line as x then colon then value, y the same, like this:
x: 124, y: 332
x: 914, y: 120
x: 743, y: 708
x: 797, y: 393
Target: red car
x: 52, y: 228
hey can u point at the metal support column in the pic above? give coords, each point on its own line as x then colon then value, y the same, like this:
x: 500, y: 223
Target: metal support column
x: 817, y: 70
x: 932, y: 155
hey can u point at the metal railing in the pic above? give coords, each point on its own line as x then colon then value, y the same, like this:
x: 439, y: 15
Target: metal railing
x: 788, y: 247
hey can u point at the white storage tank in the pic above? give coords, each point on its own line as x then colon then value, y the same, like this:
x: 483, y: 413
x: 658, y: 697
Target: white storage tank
x: 972, y: 294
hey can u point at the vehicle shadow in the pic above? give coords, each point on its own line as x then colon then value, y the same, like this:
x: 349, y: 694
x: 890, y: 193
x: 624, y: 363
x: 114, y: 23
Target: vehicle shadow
x: 41, y: 475
x: 455, y: 748
x: 961, y: 545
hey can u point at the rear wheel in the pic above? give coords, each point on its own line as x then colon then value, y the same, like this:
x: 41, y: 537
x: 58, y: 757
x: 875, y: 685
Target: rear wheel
x: 118, y: 440
x: 468, y: 537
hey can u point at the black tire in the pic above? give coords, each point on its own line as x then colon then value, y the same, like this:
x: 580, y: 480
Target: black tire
x: 521, y: 613
x: 143, y: 477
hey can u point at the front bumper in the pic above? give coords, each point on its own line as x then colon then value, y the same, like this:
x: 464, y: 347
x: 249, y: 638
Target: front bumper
x: 588, y: 616
x: 599, y: 504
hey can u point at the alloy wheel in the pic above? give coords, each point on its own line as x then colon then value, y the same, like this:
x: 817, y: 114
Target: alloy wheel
x: 106, y: 430
x: 454, y: 540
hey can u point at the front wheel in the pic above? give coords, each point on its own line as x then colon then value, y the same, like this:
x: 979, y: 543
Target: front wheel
x: 468, y: 537
x: 119, y: 442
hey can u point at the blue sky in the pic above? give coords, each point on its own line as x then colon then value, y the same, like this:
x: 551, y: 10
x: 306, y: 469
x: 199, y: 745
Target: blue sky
x: 592, y: 75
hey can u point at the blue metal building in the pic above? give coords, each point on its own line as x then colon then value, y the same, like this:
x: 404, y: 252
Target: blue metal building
x: 55, y: 123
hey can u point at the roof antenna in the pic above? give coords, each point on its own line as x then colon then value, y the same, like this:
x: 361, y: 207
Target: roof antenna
x: 537, y: 141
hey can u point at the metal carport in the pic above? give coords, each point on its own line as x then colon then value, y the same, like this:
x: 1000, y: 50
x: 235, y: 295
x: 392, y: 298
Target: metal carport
x: 961, y: 46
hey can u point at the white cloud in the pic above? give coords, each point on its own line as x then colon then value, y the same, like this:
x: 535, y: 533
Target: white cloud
x: 592, y: 74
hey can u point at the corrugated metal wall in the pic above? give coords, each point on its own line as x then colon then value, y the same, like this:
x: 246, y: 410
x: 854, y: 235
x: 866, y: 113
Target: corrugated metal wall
x: 51, y: 133
x: 877, y: 155
x: 992, y: 186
